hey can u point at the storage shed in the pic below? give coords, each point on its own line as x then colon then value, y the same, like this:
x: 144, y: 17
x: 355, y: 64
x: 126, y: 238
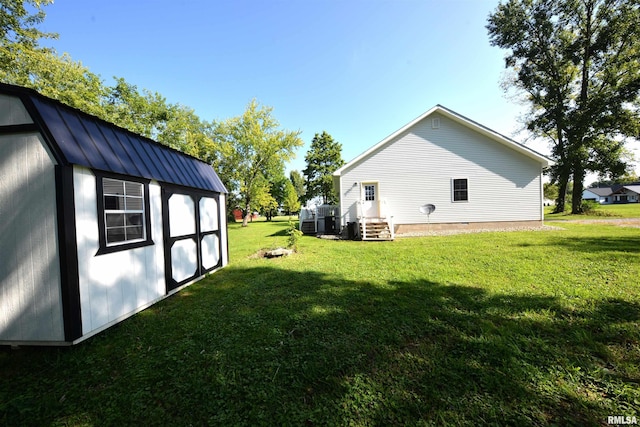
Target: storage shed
x: 96, y: 223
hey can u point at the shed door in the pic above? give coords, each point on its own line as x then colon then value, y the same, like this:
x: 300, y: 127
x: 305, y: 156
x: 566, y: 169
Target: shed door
x: 370, y: 200
x: 192, y: 235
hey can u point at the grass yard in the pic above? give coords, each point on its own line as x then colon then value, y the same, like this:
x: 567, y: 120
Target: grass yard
x: 628, y: 210
x: 519, y: 328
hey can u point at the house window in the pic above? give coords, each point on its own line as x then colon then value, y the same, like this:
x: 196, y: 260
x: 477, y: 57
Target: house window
x: 123, y: 214
x: 460, y: 190
x: 369, y: 192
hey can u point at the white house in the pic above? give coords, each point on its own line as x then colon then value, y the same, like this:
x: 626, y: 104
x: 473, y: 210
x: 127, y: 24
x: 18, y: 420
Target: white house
x: 475, y: 178
x: 96, y: 223
x: 629, y: 193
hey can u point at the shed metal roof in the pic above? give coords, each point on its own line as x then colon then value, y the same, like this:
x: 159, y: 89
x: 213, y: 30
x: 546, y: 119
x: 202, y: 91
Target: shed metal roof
x: 85, y: 140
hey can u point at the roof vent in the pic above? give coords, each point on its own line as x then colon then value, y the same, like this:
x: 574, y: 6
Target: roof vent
x: 435, y: 123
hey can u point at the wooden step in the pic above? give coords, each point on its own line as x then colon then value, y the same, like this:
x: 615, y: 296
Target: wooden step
x: 376, y: 231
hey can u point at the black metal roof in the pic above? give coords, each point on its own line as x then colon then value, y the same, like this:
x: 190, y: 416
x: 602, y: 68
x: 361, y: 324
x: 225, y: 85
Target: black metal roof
x: 85, y: 140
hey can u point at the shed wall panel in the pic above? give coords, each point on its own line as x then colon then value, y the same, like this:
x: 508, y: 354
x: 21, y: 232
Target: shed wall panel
x: 12, y: 111
x: 30, y: 285
x: 418, y: 166
x: 118, y: 284
x: 222, y: 206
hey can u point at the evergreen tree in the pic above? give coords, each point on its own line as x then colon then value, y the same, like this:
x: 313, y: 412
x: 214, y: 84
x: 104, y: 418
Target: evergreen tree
x: 323, y: 159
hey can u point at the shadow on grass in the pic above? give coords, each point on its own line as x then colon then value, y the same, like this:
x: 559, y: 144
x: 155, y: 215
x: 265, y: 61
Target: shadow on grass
x: 265, y: 346
x: 626, y: 244
x: 603, y: 244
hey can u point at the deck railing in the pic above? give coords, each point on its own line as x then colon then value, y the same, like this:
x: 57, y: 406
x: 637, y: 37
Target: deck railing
x: 317, y: 215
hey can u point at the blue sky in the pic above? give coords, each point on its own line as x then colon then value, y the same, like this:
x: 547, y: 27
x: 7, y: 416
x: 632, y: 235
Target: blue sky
x: 358, y: 69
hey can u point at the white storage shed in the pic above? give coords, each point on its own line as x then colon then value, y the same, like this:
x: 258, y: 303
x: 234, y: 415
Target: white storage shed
x: 96, y: 223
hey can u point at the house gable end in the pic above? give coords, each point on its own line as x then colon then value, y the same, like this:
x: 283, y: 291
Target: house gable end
x: 435, y: 114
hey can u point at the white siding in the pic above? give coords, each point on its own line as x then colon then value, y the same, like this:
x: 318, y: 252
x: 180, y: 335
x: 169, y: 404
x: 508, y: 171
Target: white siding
x: 586, y: 194
x: 114, y: 285
x: 417, y: 167
x: 30, y: 291
x: 12, y: 111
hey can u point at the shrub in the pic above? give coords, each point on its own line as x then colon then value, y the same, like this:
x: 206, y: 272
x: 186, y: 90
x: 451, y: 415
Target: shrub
x: 591, y: 207
x: 294, y: 236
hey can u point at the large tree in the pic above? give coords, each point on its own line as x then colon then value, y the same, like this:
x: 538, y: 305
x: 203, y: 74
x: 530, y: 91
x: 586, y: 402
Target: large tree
x: 19, y: 20
x: 323, y: 159
x: 578, y: 62
x: 252, y: 150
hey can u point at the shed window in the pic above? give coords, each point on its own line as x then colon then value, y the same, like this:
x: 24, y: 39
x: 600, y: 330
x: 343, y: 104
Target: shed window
x: 460, y: 190
x: 123, y: 209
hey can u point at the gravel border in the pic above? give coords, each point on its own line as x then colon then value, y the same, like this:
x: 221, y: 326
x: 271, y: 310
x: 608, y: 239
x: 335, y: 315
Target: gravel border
x: 477, y: 230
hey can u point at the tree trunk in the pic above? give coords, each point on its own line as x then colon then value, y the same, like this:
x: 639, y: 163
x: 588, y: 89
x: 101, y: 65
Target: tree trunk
x: 564, y: 171
x: 578, y: 183
x: 579, y: 156
x: 563, y: 182
x: 247, y: 215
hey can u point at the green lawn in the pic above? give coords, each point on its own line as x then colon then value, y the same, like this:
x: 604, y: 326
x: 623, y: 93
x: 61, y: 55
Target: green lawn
x: 629, y: 210
x: 519, y: 328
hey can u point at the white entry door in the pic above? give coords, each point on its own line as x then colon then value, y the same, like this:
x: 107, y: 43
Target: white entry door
x: 370, y: 200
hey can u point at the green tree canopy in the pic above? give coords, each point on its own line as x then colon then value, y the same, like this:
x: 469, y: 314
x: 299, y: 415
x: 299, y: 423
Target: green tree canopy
x: 252, y: 150
x: 578, y: 62
x: 298, y: 184
x: 19, y: 31
x: 291, y: 202
x: 323, y: 159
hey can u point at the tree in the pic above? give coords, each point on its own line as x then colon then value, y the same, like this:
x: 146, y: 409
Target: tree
x: 19, y: 29
x: 252, y: 149
x: 263, y: 200
x: 58, y: 77
x: 291, y: 202
x: 630, y: 177
x: 578, y: 63
x: 550, y: 191
x: 323, y: 159
x: 298, y: 184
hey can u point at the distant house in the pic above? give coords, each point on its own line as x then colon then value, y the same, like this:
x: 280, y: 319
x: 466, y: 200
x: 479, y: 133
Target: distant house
x: 96, y: 223
x: 619, y: 193
x: 475, y: 178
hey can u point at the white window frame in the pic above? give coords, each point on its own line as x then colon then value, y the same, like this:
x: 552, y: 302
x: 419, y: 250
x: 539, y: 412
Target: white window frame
x: 107, y: 187
x: 128, y: 197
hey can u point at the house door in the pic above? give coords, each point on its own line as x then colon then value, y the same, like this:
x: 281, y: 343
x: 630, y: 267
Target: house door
x: 370, y: 200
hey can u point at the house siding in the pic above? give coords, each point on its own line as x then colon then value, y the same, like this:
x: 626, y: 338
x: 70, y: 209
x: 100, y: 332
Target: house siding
x: 417, y: 167
x: 588, y: 195
x: 115, y: 285
x: 30, y: 293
